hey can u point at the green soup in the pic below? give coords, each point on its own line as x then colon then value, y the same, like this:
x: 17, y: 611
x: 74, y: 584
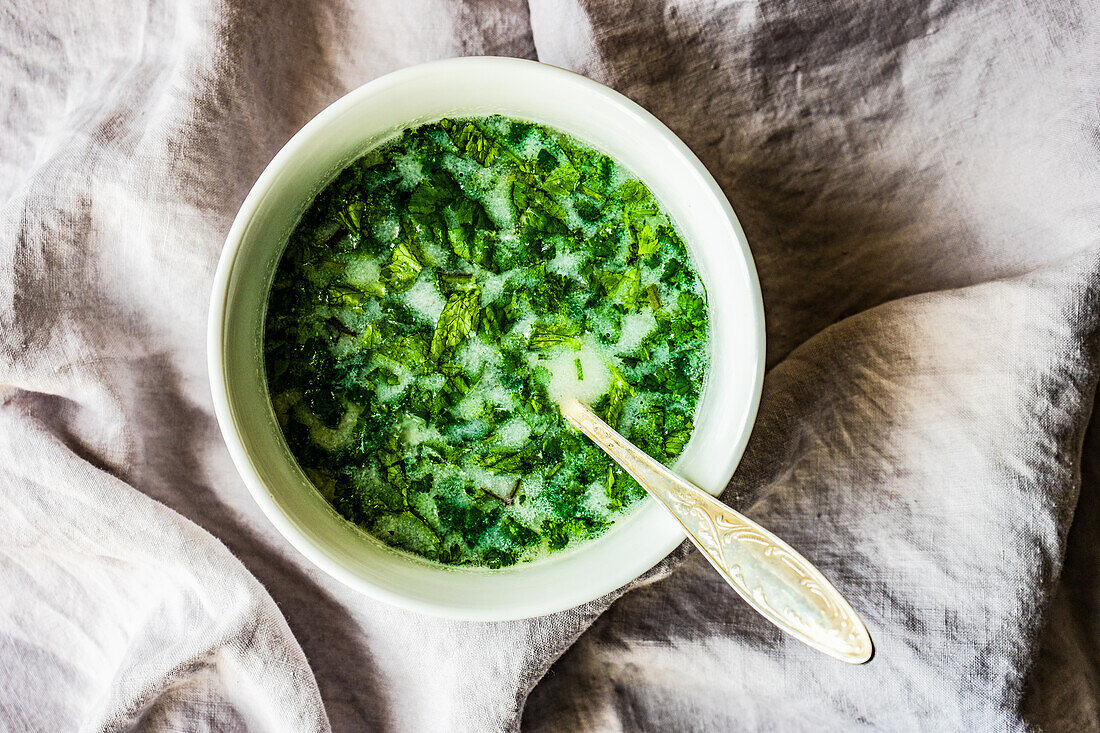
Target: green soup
x: 433, y: 303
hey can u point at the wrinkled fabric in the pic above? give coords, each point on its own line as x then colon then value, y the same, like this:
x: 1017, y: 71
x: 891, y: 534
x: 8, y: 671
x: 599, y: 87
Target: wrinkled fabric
x: 919, y: 185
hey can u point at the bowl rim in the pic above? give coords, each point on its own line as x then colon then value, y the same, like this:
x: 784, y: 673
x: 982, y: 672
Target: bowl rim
x: 220, y: 296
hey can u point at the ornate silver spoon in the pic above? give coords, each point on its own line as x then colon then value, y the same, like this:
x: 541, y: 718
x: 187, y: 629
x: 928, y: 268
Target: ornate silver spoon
x: 780, y: 584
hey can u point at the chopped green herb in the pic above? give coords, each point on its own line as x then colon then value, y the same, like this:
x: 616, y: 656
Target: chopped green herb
x: 454, y: 282
x: 343, y: 295
x: 545, y: 336
x: 562, y: 181
x: 653, y: 297
x: 613, y: 403
x: 471, y: 140
x: 623, y: 287
x: 646, y: 240
x: 403, y: 268
x: 349, y: 217
x: 457, y: 321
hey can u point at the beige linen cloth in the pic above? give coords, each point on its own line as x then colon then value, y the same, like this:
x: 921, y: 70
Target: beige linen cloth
x: 919, y: 184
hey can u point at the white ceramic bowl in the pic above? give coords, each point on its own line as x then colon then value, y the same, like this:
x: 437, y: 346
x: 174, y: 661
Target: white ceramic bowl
x: 372, y: 113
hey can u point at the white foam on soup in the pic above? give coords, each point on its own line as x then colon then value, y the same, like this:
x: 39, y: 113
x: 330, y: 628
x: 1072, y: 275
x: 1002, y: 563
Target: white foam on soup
x: 592, y: 381
x: 424, y: 299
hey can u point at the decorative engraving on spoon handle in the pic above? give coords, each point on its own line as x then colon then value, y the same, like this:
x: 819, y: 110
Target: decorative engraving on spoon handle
x: 772, y: 577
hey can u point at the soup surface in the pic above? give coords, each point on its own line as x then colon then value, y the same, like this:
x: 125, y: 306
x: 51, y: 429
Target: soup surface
x: 434, y: 302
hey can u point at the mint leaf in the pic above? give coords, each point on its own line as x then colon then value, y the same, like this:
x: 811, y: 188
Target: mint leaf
x: 419, y: 141
x: 370, y: 337
x: 671, y: 241
x: 617, y: 395
x: 535, y: 396
x: 520, y: 534
x: 425, y: 201
x: 410, y: 351
x: 562, y: 181
x: 551, y: 295
x: 344, y: 295
x: 653, y: 297
x: 403, y: 267
x: 623, y: 287
x: 690, y: 316
x: 471, y: 140
x: 547, y: 336
x: 605, y: 243
x: 537, y: 210
x: 637, y: 200
x: 556, y: 533
x: 632, y: 191
x: 675, y: 273
x: 505, y: 460
x: 431, y: 195
x: 471, y: 212
x: 471, y: 221
x: 646, y: 240
x: 457, y: 321
x: 408, y: 531
x: 675, y: 442
x: 495, y: 557
x: 649, y: 429
x: 536, y: 220
x: 497, y: 318
x: 546, y: 162
x: 586, y: 209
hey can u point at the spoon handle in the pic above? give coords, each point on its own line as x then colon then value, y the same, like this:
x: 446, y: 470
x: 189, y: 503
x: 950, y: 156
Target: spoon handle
x: 779, y: 583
